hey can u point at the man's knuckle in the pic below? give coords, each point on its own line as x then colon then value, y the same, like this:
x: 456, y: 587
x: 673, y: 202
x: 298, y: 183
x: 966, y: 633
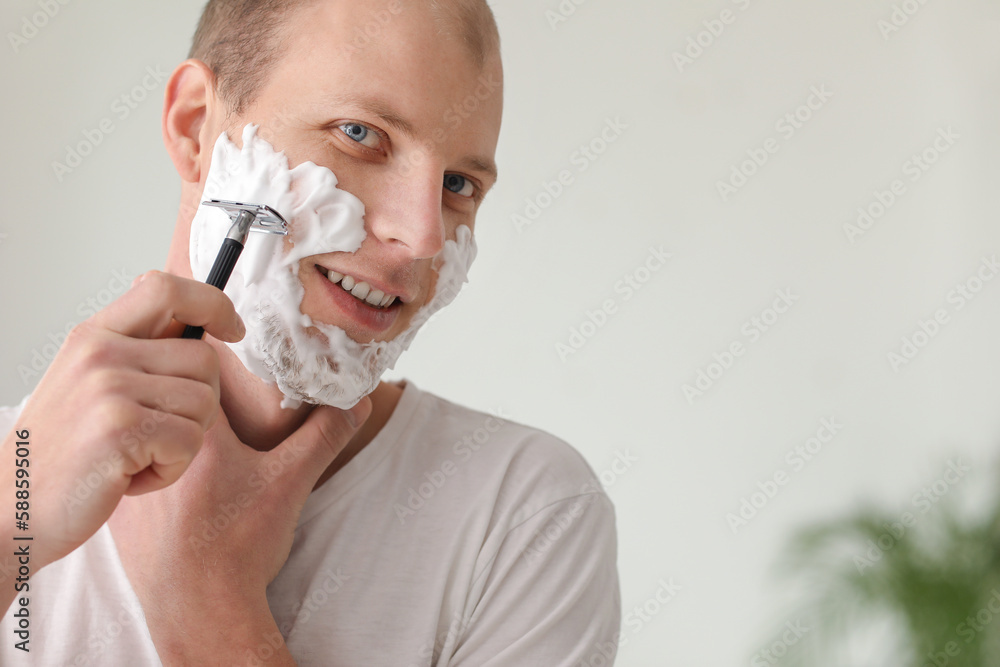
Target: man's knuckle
x: 113, y: 415
x: 207, y: 359
x: 189, y: 435
x: 333, y: 435
x: 223, y: 301
x: 162, y: 286
x: 109, y: 383
x: 205, y: 399
x: 79, y: 335
x: 95, y: 352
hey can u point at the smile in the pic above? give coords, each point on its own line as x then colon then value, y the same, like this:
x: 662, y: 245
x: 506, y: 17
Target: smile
x: 360, y: 290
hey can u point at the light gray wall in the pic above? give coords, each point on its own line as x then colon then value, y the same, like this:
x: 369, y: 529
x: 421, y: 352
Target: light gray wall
x: 621, y: 395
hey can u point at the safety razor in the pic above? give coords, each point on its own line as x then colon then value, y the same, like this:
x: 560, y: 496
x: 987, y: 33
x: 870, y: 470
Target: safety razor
x: 246, y: 218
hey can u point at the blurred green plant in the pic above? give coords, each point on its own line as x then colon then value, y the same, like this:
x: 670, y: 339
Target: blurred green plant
x: 932, y: 577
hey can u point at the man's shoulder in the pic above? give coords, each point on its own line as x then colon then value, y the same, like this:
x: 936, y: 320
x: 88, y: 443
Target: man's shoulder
x: 523, y: 466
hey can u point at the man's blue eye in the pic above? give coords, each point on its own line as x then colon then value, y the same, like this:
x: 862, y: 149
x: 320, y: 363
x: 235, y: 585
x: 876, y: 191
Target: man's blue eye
x: 460, y: 185
x: 360, y: 134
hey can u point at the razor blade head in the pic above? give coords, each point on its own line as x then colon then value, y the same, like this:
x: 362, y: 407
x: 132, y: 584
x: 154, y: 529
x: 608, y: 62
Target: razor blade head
x: 266, y: 219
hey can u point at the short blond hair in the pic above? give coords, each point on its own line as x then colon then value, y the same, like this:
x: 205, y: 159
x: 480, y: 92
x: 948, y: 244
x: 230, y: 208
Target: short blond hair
x: 240, y: 40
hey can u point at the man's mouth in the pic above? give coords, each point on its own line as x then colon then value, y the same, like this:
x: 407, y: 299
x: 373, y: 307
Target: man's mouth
x: 359, y: 289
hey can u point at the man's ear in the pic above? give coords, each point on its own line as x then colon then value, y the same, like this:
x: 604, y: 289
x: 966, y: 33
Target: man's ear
x: 189, y: 99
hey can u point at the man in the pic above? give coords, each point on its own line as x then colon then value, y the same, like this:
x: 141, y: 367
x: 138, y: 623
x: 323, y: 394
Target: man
x: 220, y: 528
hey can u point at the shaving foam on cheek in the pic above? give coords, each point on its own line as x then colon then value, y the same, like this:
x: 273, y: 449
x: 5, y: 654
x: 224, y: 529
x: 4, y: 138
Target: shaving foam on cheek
x: 310, y: 362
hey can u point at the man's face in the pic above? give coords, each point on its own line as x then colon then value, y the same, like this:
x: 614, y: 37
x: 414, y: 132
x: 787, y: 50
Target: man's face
x: 409, y: 124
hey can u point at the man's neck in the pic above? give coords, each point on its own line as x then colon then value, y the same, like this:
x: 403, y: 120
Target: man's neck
x: 258, y: 420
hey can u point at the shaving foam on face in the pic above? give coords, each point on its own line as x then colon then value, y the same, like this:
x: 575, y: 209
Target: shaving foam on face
x: 311, y: 362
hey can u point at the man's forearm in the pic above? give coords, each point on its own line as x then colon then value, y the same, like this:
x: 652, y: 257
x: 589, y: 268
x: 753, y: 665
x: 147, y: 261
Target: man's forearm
x: 235, y: 634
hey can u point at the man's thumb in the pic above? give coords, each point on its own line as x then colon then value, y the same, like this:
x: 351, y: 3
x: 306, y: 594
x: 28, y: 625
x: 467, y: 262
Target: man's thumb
x: 308, y: 451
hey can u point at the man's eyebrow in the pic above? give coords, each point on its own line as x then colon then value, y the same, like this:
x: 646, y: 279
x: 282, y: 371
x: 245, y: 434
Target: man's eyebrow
x: 376, y: 108
x: 483, y: 164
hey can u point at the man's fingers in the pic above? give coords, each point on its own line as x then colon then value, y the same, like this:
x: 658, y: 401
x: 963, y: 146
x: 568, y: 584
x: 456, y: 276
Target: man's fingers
x: 173, y: 330
x: 147, y: 310
x: 157, y: 460
x: 149, y: 480
x: 191, y: 399
x: 177, y: 376
x: 191, y: 359
x: 307, y: 452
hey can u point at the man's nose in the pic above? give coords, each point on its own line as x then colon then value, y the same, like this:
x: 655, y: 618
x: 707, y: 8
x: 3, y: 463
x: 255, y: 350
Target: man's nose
x: 411, y: 216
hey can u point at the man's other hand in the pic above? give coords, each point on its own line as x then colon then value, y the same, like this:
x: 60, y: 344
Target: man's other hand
x: 208, y: 546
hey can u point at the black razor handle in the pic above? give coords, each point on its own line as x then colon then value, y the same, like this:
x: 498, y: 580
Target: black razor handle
x: 225, y: 261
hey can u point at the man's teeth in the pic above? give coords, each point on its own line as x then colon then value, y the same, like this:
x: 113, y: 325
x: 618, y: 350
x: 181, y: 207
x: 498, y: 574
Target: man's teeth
x: 362, y: 291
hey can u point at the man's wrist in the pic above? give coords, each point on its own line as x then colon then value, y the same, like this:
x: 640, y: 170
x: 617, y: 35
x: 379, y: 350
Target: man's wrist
x: 227, y: 632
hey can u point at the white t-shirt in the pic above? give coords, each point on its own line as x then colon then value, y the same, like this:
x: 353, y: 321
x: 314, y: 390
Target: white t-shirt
x: 455, y: 538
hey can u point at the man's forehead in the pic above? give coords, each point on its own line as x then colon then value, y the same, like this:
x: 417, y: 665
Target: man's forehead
x: 453, y: 30
x: 329, y: 45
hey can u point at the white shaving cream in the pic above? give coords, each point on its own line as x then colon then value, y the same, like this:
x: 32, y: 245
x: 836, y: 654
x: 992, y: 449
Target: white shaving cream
x: 311, y: 362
